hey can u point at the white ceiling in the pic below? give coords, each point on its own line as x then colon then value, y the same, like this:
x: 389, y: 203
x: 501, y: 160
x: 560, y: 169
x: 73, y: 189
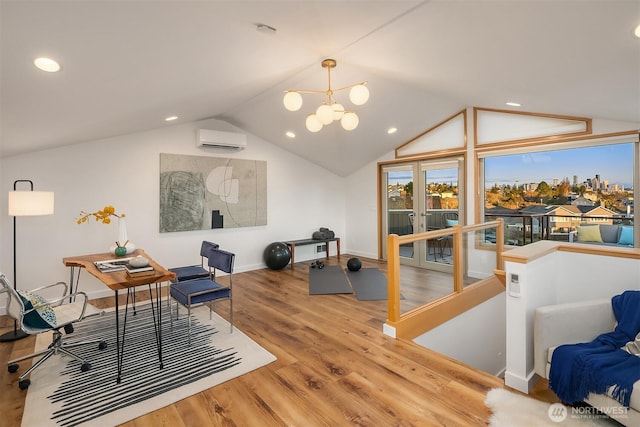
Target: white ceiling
x: 126, y: 65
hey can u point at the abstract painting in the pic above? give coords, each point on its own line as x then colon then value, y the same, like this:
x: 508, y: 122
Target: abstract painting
x: 202, y: 193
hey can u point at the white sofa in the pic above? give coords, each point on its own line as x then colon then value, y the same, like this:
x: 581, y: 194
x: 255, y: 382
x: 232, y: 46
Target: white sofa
x: 574, y: 323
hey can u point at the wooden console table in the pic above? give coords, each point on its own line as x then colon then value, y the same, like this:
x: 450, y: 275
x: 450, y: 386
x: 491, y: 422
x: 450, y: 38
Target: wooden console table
x: 301, y: 242
x: 119, y: 281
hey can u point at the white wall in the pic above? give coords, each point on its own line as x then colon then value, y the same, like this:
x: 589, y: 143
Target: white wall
x: 124, y: 172
x: 361, y: 212
x: 476, y: 337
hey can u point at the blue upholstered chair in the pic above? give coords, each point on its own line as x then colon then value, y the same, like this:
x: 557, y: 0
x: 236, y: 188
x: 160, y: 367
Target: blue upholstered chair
x: 190, y: 272
x: 37, y: 315
x: 207, y: 291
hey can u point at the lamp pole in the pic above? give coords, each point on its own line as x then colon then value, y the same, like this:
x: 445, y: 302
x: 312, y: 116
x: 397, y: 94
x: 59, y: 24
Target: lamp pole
x: 16, y: 334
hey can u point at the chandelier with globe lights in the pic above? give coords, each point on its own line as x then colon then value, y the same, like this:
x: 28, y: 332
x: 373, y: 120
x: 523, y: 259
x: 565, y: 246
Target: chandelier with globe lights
x: 330, y: 110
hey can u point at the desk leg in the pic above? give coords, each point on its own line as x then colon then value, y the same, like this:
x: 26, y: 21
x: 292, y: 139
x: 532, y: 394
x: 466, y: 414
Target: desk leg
x: 120, y: 341
x: 117, y: 339
x: 157, y: 322
x: 72, y: 268
x: 293, y: 254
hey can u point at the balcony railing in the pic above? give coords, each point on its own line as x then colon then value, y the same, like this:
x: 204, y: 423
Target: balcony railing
x: 523, y: 229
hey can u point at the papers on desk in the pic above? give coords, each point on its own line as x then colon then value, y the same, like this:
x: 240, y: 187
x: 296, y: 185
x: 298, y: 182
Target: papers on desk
x: 110, y: 265
x: 119, y: 264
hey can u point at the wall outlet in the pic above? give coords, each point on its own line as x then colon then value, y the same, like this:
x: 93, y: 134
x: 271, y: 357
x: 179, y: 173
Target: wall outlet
x: 321, y: 248
x: 514, y: 286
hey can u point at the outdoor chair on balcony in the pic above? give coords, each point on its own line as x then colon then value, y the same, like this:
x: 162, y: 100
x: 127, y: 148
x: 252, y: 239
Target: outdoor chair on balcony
x: 449, y: 219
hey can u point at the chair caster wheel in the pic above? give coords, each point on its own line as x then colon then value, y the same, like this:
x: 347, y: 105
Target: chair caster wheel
x: 13, y: 368
x: 85, y: 367
x: 24, y: 384
x: 102, y: 345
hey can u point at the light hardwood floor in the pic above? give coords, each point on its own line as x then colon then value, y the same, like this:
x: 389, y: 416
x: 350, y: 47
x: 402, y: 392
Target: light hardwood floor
x: 335, y: 367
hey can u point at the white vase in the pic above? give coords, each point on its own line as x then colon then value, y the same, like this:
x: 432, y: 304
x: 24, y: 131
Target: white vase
x: 123, y: 240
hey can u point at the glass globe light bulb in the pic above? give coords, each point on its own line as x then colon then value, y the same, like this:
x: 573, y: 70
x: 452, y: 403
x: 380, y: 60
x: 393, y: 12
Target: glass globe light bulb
x: 349, y: 121
x: 359, y: 94
x: 324, y: 113
x: 313, y: 124
x: 292, y: 101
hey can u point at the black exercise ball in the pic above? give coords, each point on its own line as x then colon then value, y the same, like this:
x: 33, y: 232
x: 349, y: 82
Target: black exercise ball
x: 354, y: 264
x: 277, y: 255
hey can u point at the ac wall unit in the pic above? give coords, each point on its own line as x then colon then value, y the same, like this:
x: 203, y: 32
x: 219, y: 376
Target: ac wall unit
x: 228, y: 141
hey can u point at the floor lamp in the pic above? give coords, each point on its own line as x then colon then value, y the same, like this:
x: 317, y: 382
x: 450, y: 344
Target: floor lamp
x: 25, y: 203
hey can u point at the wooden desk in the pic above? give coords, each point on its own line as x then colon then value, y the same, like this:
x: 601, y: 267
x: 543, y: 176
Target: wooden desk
x: 120, y: 280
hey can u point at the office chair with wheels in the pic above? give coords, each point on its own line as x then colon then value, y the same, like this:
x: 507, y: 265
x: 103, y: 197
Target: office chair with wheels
x: 191, y: 293
x: 36, y: 315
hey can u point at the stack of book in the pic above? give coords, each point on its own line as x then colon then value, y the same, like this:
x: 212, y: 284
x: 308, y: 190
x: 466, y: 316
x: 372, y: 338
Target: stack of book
x: 147, y: 270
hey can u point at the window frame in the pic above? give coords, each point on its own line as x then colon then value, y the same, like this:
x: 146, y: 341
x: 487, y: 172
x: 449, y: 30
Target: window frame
x: 517, y: 147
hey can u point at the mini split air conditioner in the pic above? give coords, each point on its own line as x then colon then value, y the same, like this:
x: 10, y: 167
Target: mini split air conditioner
x: 228, y: 141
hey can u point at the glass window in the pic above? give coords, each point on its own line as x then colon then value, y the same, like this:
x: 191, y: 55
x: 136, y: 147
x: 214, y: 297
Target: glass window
x: 548, y: 194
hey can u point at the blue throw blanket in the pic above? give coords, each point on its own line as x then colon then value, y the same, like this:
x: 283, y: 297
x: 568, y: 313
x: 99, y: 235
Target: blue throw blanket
x: 578, y: 369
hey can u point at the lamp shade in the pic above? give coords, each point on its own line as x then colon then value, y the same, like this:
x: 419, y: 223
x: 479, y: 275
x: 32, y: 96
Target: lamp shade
x: 325, y: 113
x: 359, y: 94
x: 349, y: 121
x: 313, y: 124
x: 30, y: 203
x: 292, y: 101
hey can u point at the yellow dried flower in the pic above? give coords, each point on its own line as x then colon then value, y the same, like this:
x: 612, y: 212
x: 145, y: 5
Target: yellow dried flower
x: 104, y: 215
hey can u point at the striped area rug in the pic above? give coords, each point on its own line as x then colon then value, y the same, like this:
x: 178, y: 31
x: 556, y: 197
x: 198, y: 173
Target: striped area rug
x: 61, y: 395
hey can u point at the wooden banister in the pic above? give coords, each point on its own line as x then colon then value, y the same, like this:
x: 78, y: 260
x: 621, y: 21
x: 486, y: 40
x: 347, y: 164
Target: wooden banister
x: 421, y: 319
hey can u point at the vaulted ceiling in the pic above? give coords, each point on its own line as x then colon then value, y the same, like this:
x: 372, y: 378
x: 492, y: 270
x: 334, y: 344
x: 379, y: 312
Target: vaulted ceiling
x: 126, y: 65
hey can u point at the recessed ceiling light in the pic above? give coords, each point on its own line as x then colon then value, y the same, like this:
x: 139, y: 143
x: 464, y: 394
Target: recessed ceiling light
x: 392, y: 130
x: 171, y: 118
x: 513, y: 104
x: 637, y: 31
x: 47, y: 64
x: 290, y: 134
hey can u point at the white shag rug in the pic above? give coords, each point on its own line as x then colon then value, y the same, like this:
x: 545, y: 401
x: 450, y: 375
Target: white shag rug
x: 514, y: 410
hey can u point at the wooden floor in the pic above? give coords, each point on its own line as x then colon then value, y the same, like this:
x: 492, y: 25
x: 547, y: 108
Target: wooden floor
x: 335, y: 367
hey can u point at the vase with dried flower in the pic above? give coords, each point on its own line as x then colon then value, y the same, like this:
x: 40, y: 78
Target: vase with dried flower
x: 123, y: 246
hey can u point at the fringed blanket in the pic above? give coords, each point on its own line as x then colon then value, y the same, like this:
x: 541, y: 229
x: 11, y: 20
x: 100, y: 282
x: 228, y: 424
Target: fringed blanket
x: 579, y: 369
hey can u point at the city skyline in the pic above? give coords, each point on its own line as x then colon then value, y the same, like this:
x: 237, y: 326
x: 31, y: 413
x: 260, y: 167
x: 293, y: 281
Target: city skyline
x: 613, y: 163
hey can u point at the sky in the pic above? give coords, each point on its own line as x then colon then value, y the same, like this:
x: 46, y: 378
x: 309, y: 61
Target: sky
x: 614, y: 163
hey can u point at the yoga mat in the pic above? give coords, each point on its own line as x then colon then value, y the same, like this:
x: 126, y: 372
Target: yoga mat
x: 328, y: 280
x: 369, y: 284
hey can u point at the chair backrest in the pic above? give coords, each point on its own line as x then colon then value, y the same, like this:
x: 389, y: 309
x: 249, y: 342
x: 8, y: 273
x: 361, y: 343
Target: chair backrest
x: 205, y: 248
x: 15, y: 306
x: 221, y: 260
x: 448, y: 218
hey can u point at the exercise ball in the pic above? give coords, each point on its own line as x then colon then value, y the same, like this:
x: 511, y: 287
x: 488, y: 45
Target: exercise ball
x: 354, y: 264
x: 277, y: 255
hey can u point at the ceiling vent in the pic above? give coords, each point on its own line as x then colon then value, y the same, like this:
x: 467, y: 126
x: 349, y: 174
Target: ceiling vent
x: 227, y: 141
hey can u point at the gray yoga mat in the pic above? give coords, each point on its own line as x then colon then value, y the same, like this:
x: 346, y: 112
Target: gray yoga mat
x: 369, y: 284
x: 328, y: 280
